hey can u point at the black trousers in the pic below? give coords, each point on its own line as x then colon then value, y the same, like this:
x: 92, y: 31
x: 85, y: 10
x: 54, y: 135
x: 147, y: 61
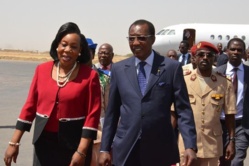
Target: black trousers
x: 48, y: 152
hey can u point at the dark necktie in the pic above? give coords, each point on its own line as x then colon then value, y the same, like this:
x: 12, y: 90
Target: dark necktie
x: 235, y: 81
x: 183, y: 60
x: 142, y: 77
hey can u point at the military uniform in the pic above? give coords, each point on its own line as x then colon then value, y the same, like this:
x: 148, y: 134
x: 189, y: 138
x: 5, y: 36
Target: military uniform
x: 208, y: 97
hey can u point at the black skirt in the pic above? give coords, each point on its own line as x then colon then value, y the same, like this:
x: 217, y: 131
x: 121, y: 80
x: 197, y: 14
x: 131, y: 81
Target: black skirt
x: 49, y: 152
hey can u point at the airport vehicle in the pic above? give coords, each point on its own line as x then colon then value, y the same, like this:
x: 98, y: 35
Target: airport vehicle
x: 171, y: 36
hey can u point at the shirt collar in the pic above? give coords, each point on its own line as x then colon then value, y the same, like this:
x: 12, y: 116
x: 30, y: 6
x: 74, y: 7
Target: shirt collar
x: 108, y: 67
x: 230, y: 67
x: 149, y: 59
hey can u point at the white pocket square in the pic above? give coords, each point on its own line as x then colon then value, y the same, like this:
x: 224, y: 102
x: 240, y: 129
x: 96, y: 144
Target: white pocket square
x: 161, y: 83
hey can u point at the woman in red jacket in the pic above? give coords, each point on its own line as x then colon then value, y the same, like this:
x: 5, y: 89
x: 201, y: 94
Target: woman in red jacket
x: 65, y: 100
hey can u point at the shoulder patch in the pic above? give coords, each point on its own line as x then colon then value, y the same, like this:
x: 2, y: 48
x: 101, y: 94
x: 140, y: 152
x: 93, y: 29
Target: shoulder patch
x: 193, y: 77
x: 186, y: 72
x: 213, y: 78
x: 225, y: 76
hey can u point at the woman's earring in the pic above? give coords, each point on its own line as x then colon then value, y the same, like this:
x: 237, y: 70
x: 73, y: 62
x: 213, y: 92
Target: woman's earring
x: 79, y: 54
x: 56, y: 49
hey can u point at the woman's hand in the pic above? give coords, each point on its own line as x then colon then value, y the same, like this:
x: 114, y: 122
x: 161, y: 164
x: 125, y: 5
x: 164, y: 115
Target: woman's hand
x: 77, y: 160
x: 11, y: 153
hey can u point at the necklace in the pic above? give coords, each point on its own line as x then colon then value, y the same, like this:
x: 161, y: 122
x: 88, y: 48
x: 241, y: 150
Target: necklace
x: 65, y: 80
x: 64, y: 75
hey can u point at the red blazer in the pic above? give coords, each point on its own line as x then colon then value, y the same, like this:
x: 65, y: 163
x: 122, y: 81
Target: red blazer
x: 78, y: 103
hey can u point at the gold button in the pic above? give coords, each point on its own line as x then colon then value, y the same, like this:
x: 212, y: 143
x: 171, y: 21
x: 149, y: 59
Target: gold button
x: 203, y: 104
x: 202, y: 120
x: 202, y: 129
x: 203, y: 113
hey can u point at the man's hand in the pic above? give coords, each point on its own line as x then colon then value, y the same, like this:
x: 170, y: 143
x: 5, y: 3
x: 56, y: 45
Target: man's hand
x: 104, y: 159
x: 189, y: 158
x: 230, y: 151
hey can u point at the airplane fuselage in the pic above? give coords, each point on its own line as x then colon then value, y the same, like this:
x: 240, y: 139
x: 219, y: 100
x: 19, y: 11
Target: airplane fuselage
x: 171, y: 36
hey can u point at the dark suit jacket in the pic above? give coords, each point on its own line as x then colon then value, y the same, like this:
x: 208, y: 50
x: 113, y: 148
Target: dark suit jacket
x: 129, y: 113
x: 188, y: 60
x: 245, y: 119
x: 222, y: 59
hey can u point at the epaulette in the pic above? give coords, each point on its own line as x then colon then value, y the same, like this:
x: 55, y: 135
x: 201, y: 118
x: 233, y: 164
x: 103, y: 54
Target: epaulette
x: 223, y: 75
x: 186, y: 72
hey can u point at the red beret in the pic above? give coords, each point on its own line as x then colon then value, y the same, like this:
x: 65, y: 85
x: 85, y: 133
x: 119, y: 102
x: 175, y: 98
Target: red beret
x: 201, y: 45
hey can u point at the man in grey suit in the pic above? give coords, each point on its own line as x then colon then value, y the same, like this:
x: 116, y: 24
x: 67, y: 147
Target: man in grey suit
x: 137, y: 128
x: 238, y: 73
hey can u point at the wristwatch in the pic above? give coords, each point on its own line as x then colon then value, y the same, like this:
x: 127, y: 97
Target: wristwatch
x: 232, y: 139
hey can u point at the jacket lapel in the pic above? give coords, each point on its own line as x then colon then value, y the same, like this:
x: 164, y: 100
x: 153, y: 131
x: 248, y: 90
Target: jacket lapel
x: 156, y: 71
x: 195, y: 86
x: 246, y: 80
x: 209, y: 88
x: 223, y: 69
x: 131, y: 74
x: 189, y: 59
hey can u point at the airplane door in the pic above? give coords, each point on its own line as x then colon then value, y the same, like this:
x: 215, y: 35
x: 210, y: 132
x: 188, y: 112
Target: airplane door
x: 189, y: 35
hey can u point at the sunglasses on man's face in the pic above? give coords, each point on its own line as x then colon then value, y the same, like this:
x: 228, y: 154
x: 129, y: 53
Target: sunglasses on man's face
x: 139, y: 38
x: 208, y: 54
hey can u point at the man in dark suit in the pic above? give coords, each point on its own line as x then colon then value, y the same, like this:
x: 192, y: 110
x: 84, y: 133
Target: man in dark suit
x: 137, y: 127
x: 222, y: 58
x: 184, y: 57
x: 238, y: 72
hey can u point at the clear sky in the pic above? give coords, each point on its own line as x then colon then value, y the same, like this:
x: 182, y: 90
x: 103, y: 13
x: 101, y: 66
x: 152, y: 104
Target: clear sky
x: 32, y: 25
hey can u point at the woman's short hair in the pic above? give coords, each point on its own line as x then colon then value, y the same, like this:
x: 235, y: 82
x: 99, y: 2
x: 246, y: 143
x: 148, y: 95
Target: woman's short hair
x: 65, y: 29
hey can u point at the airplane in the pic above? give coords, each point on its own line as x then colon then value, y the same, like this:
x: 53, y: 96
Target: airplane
x: 171, y: 36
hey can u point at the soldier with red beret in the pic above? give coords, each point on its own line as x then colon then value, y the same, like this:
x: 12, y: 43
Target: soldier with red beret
x: 209, y: 94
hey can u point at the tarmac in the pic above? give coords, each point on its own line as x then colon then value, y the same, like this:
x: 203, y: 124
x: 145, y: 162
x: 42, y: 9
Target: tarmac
x: 15, y: 79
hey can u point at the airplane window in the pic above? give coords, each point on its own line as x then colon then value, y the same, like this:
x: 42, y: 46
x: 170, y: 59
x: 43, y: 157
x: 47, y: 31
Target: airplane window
x: 212, y: 37
x: 171, y: 32
x: 162, y: 32
x: 243, y: 37
x: 165, y: 32
x: 227, y: 37
x: 220, y: 37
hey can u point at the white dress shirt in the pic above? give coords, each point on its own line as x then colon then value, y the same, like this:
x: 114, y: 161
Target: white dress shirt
x: 240, y: 99
x: 185, y: 60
